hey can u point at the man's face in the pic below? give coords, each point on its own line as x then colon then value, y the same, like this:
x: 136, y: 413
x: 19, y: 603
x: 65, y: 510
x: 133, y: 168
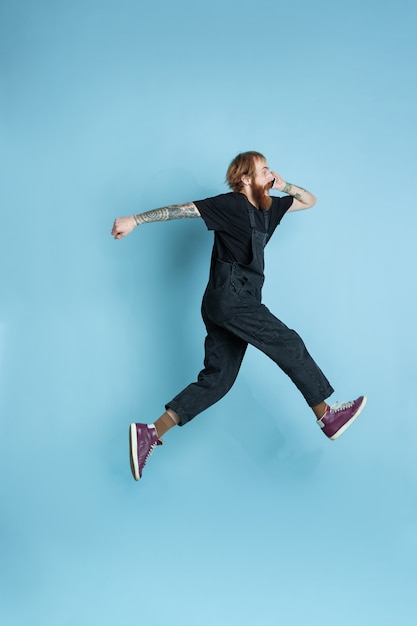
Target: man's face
x: 261, y: 184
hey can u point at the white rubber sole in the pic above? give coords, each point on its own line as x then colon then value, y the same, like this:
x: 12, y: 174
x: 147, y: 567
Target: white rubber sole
x: 133, y: 445
x: 346, y: 426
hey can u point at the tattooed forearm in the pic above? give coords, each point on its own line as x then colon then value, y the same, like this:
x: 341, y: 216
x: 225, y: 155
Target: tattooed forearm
x: 172, y: 212
x: 304, y: 198
x: 288, y: 188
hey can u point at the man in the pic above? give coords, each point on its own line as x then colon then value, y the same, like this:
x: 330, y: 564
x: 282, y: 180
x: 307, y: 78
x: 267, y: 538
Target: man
x: 243, y: 221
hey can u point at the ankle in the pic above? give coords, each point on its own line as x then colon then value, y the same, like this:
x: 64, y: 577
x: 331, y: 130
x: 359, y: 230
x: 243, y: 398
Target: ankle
x: 164, y: 423
x: 320, y: 410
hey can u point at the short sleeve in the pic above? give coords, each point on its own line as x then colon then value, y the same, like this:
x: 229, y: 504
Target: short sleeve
x: 215, y: 211
x: 279, y: 208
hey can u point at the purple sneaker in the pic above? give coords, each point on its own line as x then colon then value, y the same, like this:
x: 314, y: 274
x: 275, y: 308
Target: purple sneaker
x: 340, y: 416
x: 143, y: 439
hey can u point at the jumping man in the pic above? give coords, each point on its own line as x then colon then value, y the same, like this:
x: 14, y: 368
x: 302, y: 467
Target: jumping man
x: 243, y: 221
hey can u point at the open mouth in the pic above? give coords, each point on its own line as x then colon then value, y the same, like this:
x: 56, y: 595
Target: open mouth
x: 269, y: 186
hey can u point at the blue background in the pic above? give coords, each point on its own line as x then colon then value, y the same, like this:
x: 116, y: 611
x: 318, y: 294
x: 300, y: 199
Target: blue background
x: 247, y: 516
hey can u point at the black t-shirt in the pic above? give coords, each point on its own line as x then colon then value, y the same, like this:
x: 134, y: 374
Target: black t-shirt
x: 228, y: 215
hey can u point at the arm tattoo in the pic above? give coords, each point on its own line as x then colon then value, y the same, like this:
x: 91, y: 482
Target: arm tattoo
x: 172, y: 212
x: 287, y: 189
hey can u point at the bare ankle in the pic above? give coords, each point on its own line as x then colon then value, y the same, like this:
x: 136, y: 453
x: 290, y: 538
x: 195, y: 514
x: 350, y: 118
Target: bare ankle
x: 320, y: 410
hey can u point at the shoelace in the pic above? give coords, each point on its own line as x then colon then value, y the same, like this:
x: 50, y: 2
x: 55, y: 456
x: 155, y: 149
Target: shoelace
x: 151, y: 449
x: 339, y: 406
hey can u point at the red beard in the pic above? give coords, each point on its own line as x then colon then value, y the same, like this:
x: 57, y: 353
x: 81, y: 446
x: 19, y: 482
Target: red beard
x: 261, y: 196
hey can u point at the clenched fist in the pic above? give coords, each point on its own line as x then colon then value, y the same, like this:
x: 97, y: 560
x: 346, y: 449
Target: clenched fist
x: 123, y: 226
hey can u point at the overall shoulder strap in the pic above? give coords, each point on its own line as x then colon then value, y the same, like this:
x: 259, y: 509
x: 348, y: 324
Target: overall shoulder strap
x: 266, y: 218
x: 251, y: 216
x: 251, y: 212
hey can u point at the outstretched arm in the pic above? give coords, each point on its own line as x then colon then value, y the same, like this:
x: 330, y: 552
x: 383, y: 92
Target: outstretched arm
x: 124, y: 225
x: 303, y: 199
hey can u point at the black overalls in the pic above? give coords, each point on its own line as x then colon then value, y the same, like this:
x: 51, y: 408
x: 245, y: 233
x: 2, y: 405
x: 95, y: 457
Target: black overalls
x: 235, y: 317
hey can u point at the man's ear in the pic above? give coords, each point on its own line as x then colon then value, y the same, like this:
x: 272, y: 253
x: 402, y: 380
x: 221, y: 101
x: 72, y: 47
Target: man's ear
x: 246, y: 180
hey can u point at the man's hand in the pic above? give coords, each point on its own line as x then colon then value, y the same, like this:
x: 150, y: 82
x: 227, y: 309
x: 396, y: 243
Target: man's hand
x: 279, y: 183
x: 123, y: 226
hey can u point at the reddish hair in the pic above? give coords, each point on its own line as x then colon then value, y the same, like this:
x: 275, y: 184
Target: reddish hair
x: 242, y: 165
